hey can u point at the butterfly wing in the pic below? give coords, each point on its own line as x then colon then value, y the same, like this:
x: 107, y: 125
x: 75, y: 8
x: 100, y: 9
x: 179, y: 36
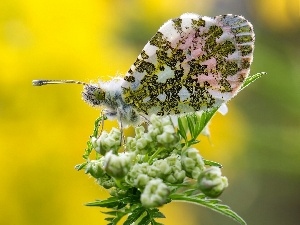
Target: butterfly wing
x: 192, y: 63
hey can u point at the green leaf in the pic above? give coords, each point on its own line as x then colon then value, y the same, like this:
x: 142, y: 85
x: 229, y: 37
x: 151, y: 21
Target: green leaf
x: 196, y: 123
x: 88, y: 150
x: 90, y: 147
x: 189, y: 192
x: 156, y: 213
x: 212, y: 163
x: 80, y: 166
x: 149, y: 219
x: 206, y: 117
x: 191, y: 124
x: 135, y: 215
x: 108, y: 203
x: 109, y: 218
x: 181, y: 129
x: 213, y: 204
x: 251, y: 79
x: 115, y: 220
x: 146, y: 220
x: 97, y: 123
x: 112, y: 213
x: 192, y: 142
x: 117, y: 216
x: 156, y: 223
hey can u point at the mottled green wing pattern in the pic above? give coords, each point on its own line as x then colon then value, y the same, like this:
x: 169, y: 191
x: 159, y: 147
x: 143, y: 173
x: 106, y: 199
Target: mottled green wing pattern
x: 191, y: 64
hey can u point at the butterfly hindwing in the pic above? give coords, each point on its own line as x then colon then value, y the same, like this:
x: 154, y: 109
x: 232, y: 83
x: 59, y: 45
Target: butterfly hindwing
x: 192, y: 63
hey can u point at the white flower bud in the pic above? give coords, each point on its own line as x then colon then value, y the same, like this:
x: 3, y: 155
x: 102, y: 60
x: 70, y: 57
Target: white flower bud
x: 162, y: 166
x: 170, y: 169
x: 139, y: 131
x: 192, y: 162
x: 155, y: 194
x: 196, y: 172
x: 106, y: 181
x: 169, y: 129
x: 177, y: 174
x: 141, y: 143
x: 95, y: 144
x: 141, y: 180
x: 153, y: 171
x: 166, y: 121
x: 162, y: 130
x: 93, y: 141
x: 211, y: 182
x: 165, y: 138
x: 153, y: 131
x: 131, y: 144
x: 155, y: 120
x: 117, y: 166
x: 107, y: 141
x: 135, y: 172
x: 156, y: 127
x: 95, y: 168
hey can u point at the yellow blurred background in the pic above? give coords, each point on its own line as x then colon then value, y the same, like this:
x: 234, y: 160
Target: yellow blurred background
x: 43, y: 130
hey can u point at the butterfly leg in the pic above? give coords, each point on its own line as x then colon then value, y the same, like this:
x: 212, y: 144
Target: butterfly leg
x: 122, y: 138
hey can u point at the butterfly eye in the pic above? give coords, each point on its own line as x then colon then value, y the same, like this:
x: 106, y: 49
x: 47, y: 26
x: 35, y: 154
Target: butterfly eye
x: 93, y: 95
x: 99, y: 94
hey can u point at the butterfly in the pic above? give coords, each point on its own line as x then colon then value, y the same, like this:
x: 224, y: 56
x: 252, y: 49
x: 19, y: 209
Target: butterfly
x: 192, y: 63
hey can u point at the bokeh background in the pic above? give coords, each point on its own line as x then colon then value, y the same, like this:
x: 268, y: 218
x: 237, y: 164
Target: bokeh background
x: 43, y: 130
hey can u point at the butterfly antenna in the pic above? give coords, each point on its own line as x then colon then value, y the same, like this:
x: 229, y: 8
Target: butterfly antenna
x: 44, y: 82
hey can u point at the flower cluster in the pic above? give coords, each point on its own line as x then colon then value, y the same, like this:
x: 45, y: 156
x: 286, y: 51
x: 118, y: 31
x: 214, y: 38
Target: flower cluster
x: 154, y: 162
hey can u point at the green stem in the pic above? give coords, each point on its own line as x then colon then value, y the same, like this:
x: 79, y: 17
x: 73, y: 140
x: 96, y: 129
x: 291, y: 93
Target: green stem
x: 156, y: 153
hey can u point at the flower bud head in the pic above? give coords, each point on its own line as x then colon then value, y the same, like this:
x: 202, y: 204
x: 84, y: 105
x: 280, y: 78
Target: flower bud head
x: 106, y: 181
x: 95, y: 168
x: 192, y: 162
x: 117, y: 166
x: 155, y: 194
x: 211, y: 183
x: 107, y: 141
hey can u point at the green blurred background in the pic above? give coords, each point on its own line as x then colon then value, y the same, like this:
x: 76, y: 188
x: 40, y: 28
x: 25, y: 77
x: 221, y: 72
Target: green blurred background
x: 43, y: 130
